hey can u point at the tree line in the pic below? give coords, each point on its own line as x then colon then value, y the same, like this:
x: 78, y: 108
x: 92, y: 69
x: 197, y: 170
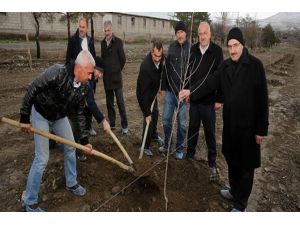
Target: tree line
x: 254, y: 35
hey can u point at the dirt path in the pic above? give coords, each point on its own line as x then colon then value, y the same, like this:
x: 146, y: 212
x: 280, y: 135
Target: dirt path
x: 277, y: 181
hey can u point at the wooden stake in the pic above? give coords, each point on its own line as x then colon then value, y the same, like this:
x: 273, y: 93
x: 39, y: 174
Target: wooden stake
x: 146, y: 132
x: 28, y: 52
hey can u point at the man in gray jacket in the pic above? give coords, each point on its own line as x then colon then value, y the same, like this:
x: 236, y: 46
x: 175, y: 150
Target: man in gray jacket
x: 113, y: 55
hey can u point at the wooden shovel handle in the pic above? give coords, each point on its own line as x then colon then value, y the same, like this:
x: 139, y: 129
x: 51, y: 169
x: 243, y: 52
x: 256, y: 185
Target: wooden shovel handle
x: 121, y: 147
x: 146, y: 131
x: 68, y: 142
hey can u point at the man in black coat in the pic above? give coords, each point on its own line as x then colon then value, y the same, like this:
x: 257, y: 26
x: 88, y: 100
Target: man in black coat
x: 148, y: 84
x: 204, y: 60
x: 242, y: 82
x: 78, y: 42
x: 113, y: 54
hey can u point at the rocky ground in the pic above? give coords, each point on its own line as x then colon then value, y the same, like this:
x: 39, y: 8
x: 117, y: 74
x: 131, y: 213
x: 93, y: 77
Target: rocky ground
x: 110, y: 188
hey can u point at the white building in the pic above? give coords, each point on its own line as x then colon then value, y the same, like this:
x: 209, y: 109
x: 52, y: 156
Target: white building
x: 132, y: 27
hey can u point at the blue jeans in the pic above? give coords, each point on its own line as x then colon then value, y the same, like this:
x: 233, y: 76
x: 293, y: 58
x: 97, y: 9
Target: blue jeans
x: 63, y: 129
x: 170, y: 104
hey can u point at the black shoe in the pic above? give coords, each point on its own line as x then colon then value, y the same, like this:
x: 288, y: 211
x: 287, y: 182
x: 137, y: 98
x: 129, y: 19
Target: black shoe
x: 32, y: 208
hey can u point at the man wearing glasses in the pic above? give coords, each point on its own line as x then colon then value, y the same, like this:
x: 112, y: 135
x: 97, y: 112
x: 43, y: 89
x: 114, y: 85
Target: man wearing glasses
x: 241, y: 80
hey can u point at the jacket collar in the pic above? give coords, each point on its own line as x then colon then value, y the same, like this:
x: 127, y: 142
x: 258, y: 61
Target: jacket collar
x: 244, y: 59
x: 184, y: 43
x: 77, y: 34
x: 113, y: 38
x: 154, y: 68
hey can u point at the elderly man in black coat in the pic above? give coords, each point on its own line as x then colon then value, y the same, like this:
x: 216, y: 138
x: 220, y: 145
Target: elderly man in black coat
x: 205, y: 58
x: 242, y: 82
x: 113, y: 54
x: 146, y: 90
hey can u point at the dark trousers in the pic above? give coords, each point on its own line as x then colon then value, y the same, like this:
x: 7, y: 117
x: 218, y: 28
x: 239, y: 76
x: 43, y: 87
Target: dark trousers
x: 76, y: 129
x: 88, y: 118
x: 152, y: 130
x: 206, y: 114
x: 241, y: 182
x: 121, y: 105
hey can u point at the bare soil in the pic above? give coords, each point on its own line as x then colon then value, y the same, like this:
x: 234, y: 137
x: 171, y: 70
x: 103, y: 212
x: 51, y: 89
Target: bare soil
x: 110, y: 188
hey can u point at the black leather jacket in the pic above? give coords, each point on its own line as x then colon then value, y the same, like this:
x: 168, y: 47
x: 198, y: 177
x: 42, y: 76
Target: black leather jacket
x: 54, y: 97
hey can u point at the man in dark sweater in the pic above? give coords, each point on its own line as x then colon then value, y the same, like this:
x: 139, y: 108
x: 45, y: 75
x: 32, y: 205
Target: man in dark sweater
x: 205, y: 59
x: 91, y: 106
x: 113, y: 54
x: 49, y: 100
x: 174, y: 79
x: 243, y: 85
x: 148, y: 84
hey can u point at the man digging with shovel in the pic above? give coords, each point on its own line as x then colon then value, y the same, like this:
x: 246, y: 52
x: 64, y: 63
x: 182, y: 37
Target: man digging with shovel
x: 49, y: 99
x: 147, y: 87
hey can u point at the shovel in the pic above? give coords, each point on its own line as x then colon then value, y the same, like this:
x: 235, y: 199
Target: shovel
x: 146, y: 132
x: 70, y: 143
x: 121, y: 147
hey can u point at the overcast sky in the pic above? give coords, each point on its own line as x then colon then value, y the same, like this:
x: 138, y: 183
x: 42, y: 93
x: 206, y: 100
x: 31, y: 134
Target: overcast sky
x: 233, y: 15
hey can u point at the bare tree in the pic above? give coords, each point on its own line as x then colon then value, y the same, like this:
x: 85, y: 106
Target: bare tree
x: 69, y: 17
x: 224, y: 23
x: 72, y: 17
x: 250, y: 29
x: 89, y: 16
x: 37, y: 17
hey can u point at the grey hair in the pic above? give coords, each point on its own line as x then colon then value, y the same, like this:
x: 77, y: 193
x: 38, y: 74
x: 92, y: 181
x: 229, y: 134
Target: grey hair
x: 206, y: 24
x: 107, y: 23
x: 85, y: 58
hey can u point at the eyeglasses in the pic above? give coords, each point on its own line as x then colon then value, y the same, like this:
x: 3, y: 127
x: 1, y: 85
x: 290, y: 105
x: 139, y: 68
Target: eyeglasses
x: 234, y: 46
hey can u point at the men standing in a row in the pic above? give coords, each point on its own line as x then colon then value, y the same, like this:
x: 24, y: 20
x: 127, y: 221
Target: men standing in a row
x: 242, y: 82
x: 113, y: 54
x: 174, y: 79
x: 205, y: 59
x: 148, y: 84
x: 78, y: 42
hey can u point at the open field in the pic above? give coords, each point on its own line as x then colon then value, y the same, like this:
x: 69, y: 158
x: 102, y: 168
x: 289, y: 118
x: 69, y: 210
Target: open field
x: 109, y: 188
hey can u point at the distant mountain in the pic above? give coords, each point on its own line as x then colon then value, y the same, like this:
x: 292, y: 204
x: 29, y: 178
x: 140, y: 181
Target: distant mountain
x: 283, y: 21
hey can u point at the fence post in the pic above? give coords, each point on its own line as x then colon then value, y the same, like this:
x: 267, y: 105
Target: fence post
x: 28, y: 52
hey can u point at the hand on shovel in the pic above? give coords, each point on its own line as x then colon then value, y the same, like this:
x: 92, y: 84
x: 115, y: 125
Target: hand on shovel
x: 25, y: 127
x: 106, y: 126
x: 88, y: 150
x: 148, y: 119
